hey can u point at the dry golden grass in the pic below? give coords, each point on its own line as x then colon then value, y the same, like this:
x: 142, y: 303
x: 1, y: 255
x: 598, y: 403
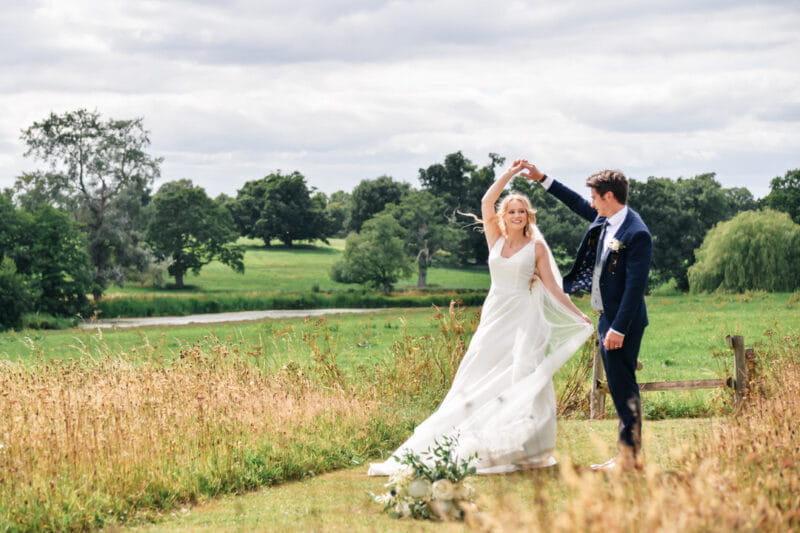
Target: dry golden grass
x: 743, y: 476
x: 102, y: 440
x: 88, y: 443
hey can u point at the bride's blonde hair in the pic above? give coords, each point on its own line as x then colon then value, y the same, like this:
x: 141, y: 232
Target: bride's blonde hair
x: 502, y: 209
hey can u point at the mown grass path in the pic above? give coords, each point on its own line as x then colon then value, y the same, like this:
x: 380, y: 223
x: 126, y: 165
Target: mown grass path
x: 340, y: 501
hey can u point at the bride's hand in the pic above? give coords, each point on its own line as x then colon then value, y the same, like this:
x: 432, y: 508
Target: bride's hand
x: 516, y: 167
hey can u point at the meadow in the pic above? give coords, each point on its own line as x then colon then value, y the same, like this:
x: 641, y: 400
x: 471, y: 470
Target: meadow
x: 684, y: 341
x: 102, y: 428
x: 304, y: 267
x: 286, y: 278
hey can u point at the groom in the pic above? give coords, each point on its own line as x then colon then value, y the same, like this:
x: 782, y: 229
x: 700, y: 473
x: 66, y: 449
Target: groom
x: 613, y: 263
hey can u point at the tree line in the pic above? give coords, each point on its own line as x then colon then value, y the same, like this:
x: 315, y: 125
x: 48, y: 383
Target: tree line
x: 89, y: 218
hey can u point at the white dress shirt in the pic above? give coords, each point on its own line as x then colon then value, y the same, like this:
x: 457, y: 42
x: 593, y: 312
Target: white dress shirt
x: 612, y: 226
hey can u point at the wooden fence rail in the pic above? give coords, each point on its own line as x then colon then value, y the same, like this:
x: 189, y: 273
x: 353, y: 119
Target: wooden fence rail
x: 743, y: 361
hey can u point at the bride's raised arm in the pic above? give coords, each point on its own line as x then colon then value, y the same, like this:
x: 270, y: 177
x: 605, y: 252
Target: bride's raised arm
x: 491, y: 227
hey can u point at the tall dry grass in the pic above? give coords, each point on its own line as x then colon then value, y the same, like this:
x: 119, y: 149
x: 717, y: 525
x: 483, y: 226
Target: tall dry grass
x: 112, y: 439
x: 744, y: 476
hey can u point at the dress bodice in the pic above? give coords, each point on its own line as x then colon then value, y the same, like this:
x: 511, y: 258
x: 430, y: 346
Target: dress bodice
x: 512, y: 273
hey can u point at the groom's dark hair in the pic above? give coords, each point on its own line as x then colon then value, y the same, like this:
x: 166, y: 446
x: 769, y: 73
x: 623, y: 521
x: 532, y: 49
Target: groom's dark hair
x: 610, y: 180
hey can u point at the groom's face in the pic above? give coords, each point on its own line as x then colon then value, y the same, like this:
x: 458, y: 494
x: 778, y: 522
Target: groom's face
x: 603, y: 204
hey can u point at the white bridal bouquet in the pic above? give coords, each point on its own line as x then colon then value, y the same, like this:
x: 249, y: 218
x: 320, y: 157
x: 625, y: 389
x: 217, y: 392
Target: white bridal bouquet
x: 431, y: 487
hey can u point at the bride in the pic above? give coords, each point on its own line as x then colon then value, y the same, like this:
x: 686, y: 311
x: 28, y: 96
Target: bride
x: 501, y: 405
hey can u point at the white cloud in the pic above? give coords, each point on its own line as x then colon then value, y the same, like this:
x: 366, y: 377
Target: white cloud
x: 348, y: 90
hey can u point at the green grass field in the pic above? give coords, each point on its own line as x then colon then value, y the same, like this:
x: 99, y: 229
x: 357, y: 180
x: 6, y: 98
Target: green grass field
x: 685, y: 340
x: 283, y: 278
x: 302, y: 268
x: 680, y: 342
x: 684, y: 332
x: 359, y: 338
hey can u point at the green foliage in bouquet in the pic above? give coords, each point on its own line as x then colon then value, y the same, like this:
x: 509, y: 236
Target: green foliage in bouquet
x: 431, y: 486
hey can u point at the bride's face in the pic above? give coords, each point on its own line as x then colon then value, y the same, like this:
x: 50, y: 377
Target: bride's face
x: 516, y: 216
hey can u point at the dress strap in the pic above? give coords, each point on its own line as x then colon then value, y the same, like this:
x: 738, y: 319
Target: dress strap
x: 500, y: 240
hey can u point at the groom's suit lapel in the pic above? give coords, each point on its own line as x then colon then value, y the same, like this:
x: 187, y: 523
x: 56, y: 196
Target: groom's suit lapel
x: 619, y: 235
x: 592, y: 245
x: 604, y: 250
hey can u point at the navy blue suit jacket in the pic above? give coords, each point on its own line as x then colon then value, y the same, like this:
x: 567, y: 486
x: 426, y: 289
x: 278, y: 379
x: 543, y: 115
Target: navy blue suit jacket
x: 624, y: 276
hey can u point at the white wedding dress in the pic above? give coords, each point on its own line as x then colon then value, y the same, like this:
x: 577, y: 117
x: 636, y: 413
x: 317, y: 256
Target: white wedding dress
x: 501, y: 405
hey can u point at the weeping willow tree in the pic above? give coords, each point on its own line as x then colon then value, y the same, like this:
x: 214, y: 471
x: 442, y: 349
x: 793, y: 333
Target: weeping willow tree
x: 756, y: 250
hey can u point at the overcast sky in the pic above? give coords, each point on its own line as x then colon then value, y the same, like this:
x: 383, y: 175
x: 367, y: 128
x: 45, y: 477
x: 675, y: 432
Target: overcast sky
x: 349, y: 90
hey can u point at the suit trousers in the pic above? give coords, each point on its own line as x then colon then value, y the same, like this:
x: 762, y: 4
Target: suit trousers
x: 620, y: 367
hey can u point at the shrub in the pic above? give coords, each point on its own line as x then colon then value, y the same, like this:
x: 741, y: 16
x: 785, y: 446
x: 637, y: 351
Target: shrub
x: 16, y: 295
x: 668, y: 288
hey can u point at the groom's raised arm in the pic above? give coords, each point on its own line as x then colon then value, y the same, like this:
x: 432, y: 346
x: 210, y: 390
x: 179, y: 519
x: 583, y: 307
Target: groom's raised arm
x: 577, y: 203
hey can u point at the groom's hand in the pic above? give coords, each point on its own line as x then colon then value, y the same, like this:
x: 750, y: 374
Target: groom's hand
x: 613, y: 340
x: 533, y: 172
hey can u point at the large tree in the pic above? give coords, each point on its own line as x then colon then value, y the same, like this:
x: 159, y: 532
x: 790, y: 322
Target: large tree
x: 45, y: 264
x: 51, y: 250
x: 337, y: 209
x: 280, y: 207
x: 246, y: 207
x: 756, y: 250
x: 449, y: 180
x: 375, y: 257
x: 371, y: 196
x: 190, y: 230
x: 679, y: 213
x: 16, y: 294
x: 100, y: 171
x: 461, y: 185
x: 784, y: 194
x: 427, y: 229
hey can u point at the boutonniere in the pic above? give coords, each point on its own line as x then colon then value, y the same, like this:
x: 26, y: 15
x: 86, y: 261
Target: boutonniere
x: 615, y: 245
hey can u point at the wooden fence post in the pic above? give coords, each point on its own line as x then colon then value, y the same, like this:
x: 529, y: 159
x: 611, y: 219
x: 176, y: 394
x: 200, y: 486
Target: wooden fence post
x: 739, y: 368
x: 597, y: 398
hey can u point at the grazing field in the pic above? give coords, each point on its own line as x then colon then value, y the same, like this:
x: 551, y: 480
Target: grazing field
x: 283, y: 278
x: 363, y: 338
x: 110, y: 427
x: 304, y: 267
x: 685, y: 333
